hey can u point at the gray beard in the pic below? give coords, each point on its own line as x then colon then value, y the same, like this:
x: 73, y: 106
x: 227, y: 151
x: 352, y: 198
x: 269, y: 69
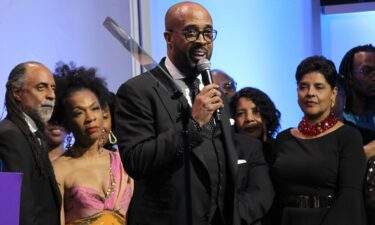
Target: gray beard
x: 41, y: 114
x: 45, y: 113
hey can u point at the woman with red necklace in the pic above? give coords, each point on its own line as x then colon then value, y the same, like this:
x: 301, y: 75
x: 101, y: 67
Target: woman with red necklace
x: 318, y: 168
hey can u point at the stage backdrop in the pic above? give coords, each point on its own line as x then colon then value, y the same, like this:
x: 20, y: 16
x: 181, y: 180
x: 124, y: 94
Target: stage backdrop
x: 50, y: 30
x: 260, y: 43
x: 343, y: 31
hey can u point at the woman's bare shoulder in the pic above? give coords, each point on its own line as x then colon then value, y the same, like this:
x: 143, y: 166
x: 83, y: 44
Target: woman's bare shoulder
x: 63, y: 165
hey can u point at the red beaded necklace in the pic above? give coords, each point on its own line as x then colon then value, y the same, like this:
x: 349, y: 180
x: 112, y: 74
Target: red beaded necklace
x: 316, y: 129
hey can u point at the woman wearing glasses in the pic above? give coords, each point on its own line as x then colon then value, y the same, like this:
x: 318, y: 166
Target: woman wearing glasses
x: 318, y: 167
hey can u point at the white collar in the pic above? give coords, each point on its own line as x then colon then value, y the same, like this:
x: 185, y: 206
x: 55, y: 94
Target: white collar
x: 176, y: 74
x: 178, y: 77
x: 172, y: 69
x: 30, y: 122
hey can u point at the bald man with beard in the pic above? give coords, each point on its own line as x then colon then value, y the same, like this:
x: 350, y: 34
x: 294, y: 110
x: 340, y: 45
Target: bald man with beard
x: 152, y: 133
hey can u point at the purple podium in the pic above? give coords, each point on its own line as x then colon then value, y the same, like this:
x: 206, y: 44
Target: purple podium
x: 10, y: 193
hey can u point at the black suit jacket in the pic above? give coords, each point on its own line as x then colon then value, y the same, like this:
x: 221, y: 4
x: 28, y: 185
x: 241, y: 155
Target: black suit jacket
x: 40, y: 196
x: 150, y: 136
x: 255, y: 191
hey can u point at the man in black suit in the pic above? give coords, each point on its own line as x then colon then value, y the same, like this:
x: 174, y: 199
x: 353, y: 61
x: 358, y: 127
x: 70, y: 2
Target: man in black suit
x: 29, y: 98
x: 157, y: 128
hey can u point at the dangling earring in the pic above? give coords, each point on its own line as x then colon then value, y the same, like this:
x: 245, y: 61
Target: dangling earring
x: 69, y: 139
x: 112, y: 138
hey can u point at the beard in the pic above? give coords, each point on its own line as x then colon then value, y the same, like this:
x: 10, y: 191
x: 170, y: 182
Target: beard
x: 42, y: 112
x: 193, y: 59
x: 186, y: 58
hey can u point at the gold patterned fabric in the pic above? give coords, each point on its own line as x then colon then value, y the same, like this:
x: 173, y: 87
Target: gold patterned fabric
x: 102, y: 218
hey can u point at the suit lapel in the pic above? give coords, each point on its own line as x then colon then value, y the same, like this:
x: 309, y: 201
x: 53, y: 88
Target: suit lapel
x: 51, y: 174
x: 171, y: 102
x: 165, y: 90
x: 228, y: 139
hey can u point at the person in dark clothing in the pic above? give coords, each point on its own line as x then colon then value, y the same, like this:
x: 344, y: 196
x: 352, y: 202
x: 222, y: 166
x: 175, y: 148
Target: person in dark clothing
x: 256, y: 116
x: 318, y: 167
x: 29, y: 99
x: 357, y: 108
x: 156, y: 129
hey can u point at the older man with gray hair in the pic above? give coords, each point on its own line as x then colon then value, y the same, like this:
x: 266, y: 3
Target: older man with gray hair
x: 29, y: 99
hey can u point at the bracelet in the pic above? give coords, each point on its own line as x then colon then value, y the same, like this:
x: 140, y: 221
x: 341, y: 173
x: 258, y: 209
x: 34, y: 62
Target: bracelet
x: 196, y: 125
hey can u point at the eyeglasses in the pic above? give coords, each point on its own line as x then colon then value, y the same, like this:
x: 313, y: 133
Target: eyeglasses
x: 229, y: 86
x: 367, y: 71
x: 190, y: 34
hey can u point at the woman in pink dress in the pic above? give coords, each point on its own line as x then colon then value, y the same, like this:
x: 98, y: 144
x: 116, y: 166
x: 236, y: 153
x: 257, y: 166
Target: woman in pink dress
x: 94, y: 186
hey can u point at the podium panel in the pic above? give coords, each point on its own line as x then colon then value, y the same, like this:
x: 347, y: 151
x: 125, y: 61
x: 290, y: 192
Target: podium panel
x: 10, y: 194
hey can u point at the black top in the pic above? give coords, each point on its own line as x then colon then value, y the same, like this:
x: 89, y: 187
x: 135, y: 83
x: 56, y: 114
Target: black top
x: 268, y: 149
x: 333, y: 164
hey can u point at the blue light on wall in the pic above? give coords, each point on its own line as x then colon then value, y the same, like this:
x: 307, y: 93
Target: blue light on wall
x: 259, y: 43
x: 341, y: 32
x: 50, y: 31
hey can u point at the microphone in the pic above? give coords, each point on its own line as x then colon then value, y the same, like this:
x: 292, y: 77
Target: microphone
x: 203, y: 66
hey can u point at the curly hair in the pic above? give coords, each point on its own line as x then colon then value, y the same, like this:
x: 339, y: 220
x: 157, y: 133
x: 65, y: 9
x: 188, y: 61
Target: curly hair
x: 318, y: 64
x: 345, y: 72
x: 70, y: 79
x: 270, y: 115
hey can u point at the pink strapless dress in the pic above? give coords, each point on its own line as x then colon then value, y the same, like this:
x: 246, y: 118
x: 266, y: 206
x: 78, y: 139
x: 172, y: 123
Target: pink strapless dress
x: 84, y: 205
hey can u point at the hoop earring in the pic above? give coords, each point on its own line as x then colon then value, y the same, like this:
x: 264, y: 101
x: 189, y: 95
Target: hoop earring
x: 112, y: 138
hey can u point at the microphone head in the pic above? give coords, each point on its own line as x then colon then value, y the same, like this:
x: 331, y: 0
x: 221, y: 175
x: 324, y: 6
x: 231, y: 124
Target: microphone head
x: 203, y: 64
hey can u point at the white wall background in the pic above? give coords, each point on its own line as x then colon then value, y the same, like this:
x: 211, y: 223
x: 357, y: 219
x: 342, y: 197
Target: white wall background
x: 50, y: 30
x: 341, y: 32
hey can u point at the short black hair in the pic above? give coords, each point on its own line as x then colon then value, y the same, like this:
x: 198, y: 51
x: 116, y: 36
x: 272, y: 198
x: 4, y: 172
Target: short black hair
x: 318, y: 64
x: 265, y: 106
